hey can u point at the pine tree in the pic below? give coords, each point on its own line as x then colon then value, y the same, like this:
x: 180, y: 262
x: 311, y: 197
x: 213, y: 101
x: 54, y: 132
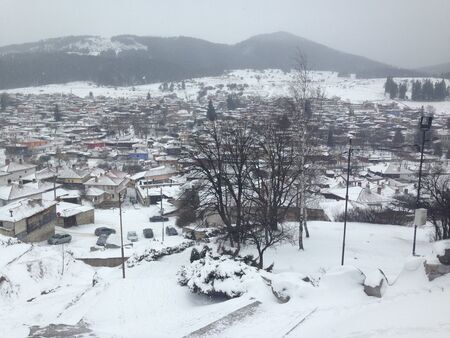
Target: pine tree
x: 211, y: 112
x: 148, y: 96
x: 398, y: 139
x: 393, y: 90
x: 56, y: 113
x: 330, y: 139
x: 3, y: 101
x: 308, y: 109
x: 403, y: 87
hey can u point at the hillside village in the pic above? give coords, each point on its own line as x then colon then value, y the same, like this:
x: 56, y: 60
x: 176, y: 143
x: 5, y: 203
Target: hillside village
x: 74, y: 164
x: 89, y: 150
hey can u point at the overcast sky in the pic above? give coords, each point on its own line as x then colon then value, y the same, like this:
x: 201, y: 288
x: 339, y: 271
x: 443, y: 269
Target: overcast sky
x: 408, y: 33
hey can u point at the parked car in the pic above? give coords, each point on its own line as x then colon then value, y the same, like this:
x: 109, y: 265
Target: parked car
x: 104, y: 230
x: 171, y: 231
x: 59, y: 239
x: 148, y: 233
x: 158, y: 218
x: 132, y: 236
x: 101, y: 241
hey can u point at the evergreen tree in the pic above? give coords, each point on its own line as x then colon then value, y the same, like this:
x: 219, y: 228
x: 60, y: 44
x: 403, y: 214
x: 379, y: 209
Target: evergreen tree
x: 211, y: 112
x: 308, y: 109
x: 283, y: 122
x: 398, y: 139
x: 4, y: 101
x: 428, y: 90
x: 148, y: 96
x: 330, y: 139
x: 402, y: 89
x: 57, y: 113
x: 393, y: 93
x: 437, y: 149
x: 183, y: 85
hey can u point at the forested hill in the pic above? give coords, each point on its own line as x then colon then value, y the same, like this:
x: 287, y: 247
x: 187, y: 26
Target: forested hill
x: 132, y: 60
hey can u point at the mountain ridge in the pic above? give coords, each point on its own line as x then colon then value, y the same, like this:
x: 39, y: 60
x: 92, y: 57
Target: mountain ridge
x: 131, y: 60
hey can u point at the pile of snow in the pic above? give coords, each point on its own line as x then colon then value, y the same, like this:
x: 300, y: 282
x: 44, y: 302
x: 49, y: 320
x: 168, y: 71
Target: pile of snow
x: 288, y: 285
x: 29, y: 271
x: 152, y: 254
x: 218, y: 276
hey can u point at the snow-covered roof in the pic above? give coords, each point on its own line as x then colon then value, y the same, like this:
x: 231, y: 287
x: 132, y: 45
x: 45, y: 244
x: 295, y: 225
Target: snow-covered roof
x: 14, y: 166
x: 65, y: 209
x: 69, y: 173
x: 14, y: 191
x: 105, y: 180
x: 43, y: 174
x: 25, y: 208
x: 94, y: 192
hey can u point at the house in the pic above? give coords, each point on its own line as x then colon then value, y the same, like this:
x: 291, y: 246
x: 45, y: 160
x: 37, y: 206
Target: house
x: 16, y: 170
x: 14, y: 192
x: 70, y: 214
x: 160, y: 174
x: 72, y: 177
x: 112, y: 184
x: 30, y: 220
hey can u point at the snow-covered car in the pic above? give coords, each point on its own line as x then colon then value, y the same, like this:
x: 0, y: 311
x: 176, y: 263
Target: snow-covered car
x: 171, y: 231
x: 59, y: 239
x: 104, y: 231
x: 101, y: 241
x: 158, y: 218
x: 132, y: 236
x: 148, y: 233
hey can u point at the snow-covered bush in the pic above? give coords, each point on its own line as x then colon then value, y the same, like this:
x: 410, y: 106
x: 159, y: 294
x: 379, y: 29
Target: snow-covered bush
x: 154, y: 254
x: 217, y: 276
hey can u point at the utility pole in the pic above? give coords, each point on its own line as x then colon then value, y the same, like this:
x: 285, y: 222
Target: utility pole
x: 162, y: 217
x: 62, y: 270
x: 424, y: 126
x: 346, y: 198
x: 54, y: 187
x: 121, y: 236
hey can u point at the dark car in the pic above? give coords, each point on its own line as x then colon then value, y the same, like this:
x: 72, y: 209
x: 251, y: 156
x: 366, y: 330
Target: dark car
x: 59, y: 239
x: 105, y: 231
x: 101, y: 241
x: 171, y: 231
x: 148, y: 233
x: 158, y: 218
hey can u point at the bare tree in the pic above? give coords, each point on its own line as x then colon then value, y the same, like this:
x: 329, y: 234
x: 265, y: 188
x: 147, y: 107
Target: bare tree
x: 271, y: 188
x: 299, y: 105
x: 436, y: 192
x: 221, y: 159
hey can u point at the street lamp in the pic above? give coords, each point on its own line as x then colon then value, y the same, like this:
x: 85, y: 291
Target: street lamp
x: 121, y: 236
x: 346, y: 198
x: 424, y: 126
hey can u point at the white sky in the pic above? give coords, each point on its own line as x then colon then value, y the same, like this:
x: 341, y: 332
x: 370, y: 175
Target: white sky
x: 408, y: 33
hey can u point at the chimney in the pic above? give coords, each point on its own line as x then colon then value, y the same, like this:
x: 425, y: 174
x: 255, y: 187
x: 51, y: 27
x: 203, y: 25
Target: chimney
x: 20, y: 161
x: 7, y: 161
x: 379, y: 190
x: 11, y: 212
x: 96, y: 178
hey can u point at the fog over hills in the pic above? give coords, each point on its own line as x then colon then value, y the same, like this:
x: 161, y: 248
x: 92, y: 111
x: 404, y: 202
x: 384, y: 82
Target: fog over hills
x: 132, y: 60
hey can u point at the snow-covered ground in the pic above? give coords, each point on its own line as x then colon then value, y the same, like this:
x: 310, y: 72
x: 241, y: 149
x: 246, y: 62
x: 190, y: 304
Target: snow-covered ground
x: 150, y: 303
x: 267, y: 83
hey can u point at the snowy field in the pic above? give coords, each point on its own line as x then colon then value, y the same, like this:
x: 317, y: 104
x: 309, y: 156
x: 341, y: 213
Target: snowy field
x: 150, y: 303
x: 267, y: 83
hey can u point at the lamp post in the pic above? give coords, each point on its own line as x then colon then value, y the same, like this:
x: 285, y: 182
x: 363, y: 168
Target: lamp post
x: 424, y: 126
x: 121, y: 236
x: 346, y: 198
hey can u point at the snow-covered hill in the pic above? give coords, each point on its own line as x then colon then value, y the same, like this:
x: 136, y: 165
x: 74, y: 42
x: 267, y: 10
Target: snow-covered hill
x: 81, y: 45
